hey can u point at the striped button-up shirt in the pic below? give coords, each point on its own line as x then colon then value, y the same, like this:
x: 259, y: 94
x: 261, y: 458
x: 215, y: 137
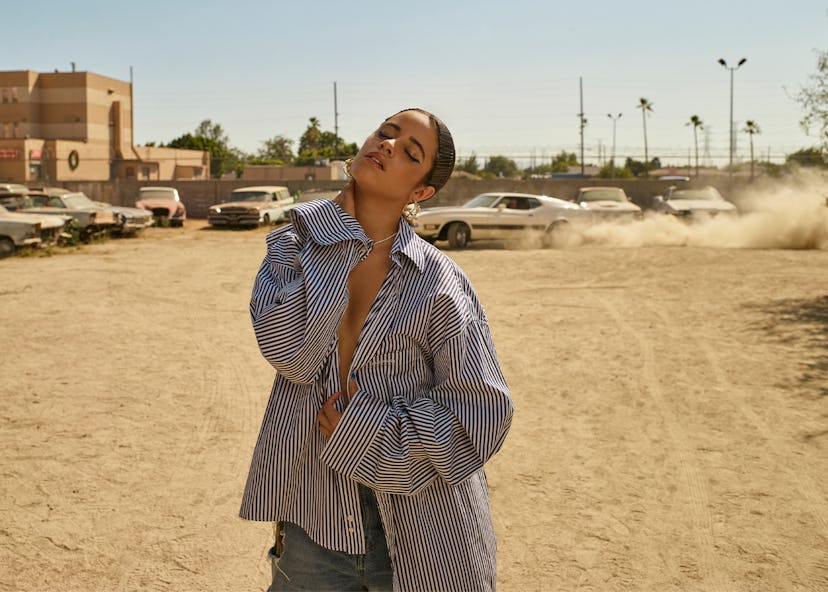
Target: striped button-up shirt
x: 430, y: 409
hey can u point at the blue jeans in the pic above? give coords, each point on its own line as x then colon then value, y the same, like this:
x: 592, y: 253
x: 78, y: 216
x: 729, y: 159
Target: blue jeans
x: 305, y: 565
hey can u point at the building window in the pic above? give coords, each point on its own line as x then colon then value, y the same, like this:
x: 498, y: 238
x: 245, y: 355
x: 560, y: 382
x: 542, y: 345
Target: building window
x: 145, y: 173
x: 14, y: 94
x: 5, y: 95
x: 196, y: 172
x: 17, y: 133
x: 130, y: 172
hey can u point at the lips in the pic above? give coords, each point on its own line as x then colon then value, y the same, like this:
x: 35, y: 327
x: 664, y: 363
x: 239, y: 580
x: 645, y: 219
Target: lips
x: 375, y: 159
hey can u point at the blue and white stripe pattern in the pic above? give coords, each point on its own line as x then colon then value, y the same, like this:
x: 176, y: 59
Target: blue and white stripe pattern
x: 430, y: 409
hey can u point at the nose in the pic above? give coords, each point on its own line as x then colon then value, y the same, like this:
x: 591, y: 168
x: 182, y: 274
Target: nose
x: 387, y: 146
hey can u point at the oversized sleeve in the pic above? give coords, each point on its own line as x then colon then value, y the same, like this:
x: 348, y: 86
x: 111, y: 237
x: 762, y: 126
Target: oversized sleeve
x: 448, y: 432
x: 299, y: 296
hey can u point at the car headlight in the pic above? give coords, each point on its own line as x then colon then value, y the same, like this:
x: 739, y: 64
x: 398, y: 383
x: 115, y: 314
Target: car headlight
x: 431, y: 226
x: 215, y: 210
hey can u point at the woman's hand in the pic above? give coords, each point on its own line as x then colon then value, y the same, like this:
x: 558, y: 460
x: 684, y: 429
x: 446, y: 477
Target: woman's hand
x: 328, y: 417
x: 345, y: 199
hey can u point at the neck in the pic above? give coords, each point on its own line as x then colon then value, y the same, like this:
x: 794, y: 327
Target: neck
x: 378, y: 216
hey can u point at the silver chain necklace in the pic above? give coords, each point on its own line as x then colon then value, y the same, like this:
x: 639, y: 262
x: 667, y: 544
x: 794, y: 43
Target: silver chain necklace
x: 385, y: 239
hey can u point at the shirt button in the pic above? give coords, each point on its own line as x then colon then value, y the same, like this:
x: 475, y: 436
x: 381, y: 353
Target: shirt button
x: 351, y: 529
x: 350, y: 518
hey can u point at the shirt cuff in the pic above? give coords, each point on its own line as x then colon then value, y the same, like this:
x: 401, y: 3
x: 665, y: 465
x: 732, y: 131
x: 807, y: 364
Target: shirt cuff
x: 354, y: 434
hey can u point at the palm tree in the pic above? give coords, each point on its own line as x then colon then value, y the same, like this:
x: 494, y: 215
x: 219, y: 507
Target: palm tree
x: 697, y: 125
x: 751, y: 127
x: 646, y: 107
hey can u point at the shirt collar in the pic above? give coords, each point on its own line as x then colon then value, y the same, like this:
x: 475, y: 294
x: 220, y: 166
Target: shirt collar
x: 326, y: 223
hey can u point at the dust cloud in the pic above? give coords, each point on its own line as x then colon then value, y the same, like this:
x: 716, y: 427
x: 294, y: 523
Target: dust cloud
x: 784, y: 214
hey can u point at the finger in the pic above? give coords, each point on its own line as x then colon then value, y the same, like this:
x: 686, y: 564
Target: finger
x: 332, y: 399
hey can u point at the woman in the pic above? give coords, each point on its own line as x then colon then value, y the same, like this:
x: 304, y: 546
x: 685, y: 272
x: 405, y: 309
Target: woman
x: 388, y: 397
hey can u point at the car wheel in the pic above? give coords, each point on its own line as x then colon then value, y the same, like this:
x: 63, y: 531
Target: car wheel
x: 6, y: 247
x: 266, y: 220
x: 458, y: 235
x: 559, y: 234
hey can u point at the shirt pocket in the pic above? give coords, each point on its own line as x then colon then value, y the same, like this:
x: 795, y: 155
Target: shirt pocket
x: 400, y: 370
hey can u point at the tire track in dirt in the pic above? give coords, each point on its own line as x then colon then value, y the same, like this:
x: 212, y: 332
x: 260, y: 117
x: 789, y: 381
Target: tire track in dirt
x: 699, y: 501
x: 814, y: 577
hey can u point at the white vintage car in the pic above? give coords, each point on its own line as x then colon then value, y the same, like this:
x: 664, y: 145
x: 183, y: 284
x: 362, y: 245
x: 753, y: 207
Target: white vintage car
x: 17, y: 233
x: 51, y: 227
x: 607, y: 204
x: 253, y: 206
x: 693, y: 204
x: 500, y: 216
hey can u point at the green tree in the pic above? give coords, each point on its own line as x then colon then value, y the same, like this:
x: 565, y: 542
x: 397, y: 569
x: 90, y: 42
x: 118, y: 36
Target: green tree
x: 310, y: 140
x: 639, y: 168
x: 808, y: 157
x: 813, y: 98
x: 564, y: 160
x: 646, y: 108
x: 276, y: 150
x: 210, y: 137
x: 316, y: 144
x: 609, y: 171
x: 751, y: 128
x: 697, y: 125
x: 469, y: 165
x: 500, y: 166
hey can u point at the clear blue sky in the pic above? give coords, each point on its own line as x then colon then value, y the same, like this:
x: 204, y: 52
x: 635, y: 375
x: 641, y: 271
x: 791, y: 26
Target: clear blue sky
x: 503, y: 75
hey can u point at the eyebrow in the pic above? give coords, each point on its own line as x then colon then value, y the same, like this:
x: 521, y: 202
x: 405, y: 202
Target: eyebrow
x: 412, y: 138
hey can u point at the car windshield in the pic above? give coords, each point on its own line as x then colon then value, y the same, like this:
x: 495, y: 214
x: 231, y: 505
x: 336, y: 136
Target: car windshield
x: 156, y: 194
x: 603, y: 195
x: 481, y: 201
x: 78, y: 200
x: 248, y: 196
x: 708, y: 193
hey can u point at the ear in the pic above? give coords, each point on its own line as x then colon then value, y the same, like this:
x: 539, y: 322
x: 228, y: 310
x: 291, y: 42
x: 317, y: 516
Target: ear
x: 422, y: 193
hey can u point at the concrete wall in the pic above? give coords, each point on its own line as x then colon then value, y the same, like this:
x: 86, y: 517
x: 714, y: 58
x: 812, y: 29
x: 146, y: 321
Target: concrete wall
x: 198, y: 196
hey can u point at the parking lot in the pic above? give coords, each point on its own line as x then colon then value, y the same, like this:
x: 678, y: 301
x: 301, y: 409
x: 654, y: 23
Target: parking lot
x: 670, y: 428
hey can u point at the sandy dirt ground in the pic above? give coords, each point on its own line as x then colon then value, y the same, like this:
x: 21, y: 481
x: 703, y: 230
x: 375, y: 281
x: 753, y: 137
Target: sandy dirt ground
x: 671, y: 427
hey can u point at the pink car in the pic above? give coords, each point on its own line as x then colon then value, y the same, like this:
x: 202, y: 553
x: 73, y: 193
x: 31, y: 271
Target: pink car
x: 164, y: 203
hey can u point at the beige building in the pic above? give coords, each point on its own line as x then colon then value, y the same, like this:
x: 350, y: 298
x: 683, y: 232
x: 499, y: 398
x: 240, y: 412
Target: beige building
x: 77, y: 126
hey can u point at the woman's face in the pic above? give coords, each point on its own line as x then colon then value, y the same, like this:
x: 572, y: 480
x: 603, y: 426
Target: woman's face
x: 395, y: 159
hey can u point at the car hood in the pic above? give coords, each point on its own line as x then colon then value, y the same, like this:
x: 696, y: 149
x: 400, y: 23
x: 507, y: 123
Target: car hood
x: 700, y: 205
x: 610, y: 206
x: 246, y: 205
x: 157, y: 202
x: 44, y: 220
x: 127, y: 211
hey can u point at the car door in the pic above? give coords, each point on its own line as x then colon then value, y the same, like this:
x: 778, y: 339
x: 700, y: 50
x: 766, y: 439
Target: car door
x: 515, y: 215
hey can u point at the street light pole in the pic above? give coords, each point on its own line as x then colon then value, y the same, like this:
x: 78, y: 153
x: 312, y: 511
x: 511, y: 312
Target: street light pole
x: 612, y: 159
x: 732, y: 135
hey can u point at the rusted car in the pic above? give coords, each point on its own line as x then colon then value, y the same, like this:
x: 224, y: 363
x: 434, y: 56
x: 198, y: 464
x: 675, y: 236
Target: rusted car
x: 164, y: 203
x: 17, y: 233
x: 91, y: 218
x: 52, y: 228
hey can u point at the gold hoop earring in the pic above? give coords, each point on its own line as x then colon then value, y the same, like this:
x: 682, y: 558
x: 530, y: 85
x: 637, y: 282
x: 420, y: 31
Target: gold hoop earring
x: 348, y: 168
x: 414, y: 208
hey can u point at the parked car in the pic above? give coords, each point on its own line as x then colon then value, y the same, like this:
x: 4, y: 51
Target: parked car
x: 51, y: 227
x: 12, y: 188
x: 164, y: 203
x: 131, y: 220
x: 607, y: 203
x: 91, y: 218
x: 253, y: 206
x: 693, y: 204
x: 499, y: 216
x: 17, y: 233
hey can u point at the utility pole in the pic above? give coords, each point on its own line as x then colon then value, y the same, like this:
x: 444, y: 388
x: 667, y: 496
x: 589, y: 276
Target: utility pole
x: 583, y: 121
x: 336, y: 124
x: 732, y: 130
